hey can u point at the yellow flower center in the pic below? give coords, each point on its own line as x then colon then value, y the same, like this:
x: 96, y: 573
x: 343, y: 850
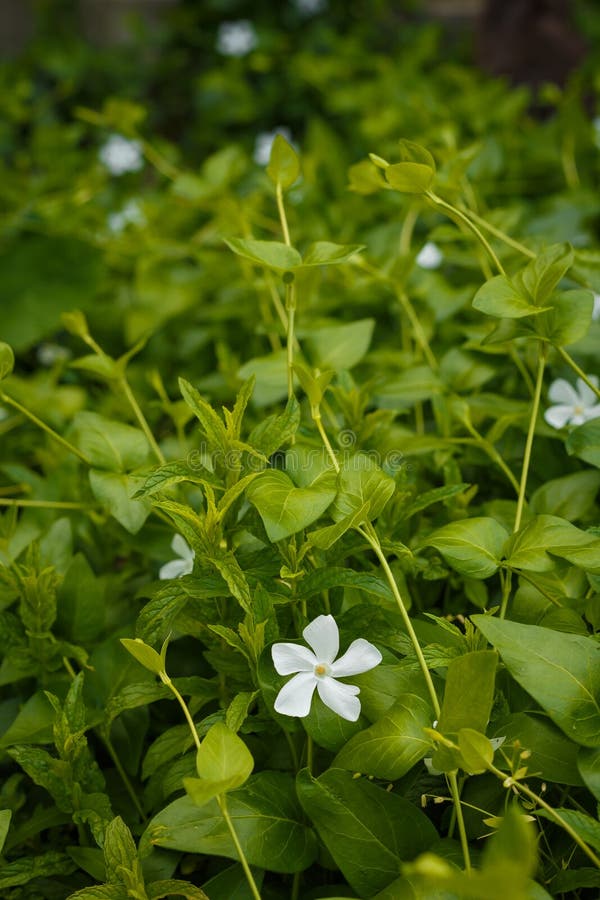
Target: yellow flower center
x: 320, y: 669
x: 578, y: 410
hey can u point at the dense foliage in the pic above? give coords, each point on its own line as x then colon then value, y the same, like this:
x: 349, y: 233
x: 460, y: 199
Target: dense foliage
x: 253, y: 384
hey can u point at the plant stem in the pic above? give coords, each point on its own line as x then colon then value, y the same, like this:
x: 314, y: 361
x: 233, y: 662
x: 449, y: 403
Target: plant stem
x: 290, y: 305
x: 370, y: 535
x: 455, y: 213
x: 325, y: 439
x: 44, y: 504
x: 124, y: 777
x: 50, y: 431
x: 464, y: 842
x: 571, y: 362
x: 510, y: 242
x: 420, y: 336
x: 529, y: 443
x: 493, y: 454
x: 410, y: 220
x: 282, y: 216
x: 222, y: 801
x: 124, y: 385
x: 166, y: 680
x: 160, y: 162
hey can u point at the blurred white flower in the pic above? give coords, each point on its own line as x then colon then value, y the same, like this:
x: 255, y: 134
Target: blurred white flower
x: 121, y: 155
x: 430, y: 256
x: 573, y: 406
x: 48, y: 354
x: 130, y: 214
x: 236, y: 38
x: 318, y: 668
x: 178, y: 567
x: 596, y: 310
x: 310, y: 7
x: 264, y: 142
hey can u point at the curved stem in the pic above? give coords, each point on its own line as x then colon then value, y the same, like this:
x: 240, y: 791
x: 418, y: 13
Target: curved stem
x: 166, y: 680
x: 282, y: 215
x: 325, y: 439
x: 370, y: 535
x: 571, y: 362
x: 124, y: 777
x: 420, y: 335
x: 464, y: 841
x: 50, y: 431
x: 493, y: 454
x: 505, y: 238
x: 290, y: 305
x: 455, y: 213
x: 222, y: 801
x: 408, y: 226
x: 529, y: 443
x: 124, y: 384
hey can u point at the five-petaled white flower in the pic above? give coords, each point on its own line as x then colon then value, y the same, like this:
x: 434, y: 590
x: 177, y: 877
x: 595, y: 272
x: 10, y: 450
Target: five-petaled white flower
x: 573, y: 407
x: 121, y: 155
x: 318, y: 668
x: 178, y: 567
x: 430, y: 256
x: 236, y: 38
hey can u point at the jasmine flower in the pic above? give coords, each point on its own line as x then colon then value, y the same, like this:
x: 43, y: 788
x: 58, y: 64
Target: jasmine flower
x: 121, y: 155
x: 318, y: 668
x: 573, y: 406
x: 236, y: 38
x: 430, y: 256
x: 178, y: 567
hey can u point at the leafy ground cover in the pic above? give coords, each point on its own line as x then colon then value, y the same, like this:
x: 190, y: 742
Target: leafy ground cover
x: 300, y: 540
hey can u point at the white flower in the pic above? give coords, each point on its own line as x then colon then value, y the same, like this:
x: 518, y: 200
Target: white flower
x: 236, y: 38
x: 310, y: 7
x: 178, y: 567
x: 430, y: 256
x: 264, y: 142
x: 48, y: 354
x: 130, y: 214
x: 318, y: 668
x: 573, y: 407
x: 596, y: 309
x: 121, y: 155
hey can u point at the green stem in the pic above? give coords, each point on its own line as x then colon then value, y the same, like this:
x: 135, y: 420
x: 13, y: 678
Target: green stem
x: 455, y: 213
x: 510, y: 242
x: 569, y: 162
x: 420, y: 335
x: 529, y: 443
x: 124, y: 384
x: 282, y: 215
x: 464, y: 842
x: 44, y: 504
x: 290, y: 305
x: 571, y: 362
x: 222, y: 801
x: 493, y: 454
x: 50, y: 431
x: 166, y: 680
x: 370, y: 535
x: 160, y: 162
x: 408, y: 226
x: 325, y: 439
x: 124, y: 777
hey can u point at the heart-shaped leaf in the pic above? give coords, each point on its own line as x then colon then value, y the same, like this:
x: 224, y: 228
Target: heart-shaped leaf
x: 285, y: 508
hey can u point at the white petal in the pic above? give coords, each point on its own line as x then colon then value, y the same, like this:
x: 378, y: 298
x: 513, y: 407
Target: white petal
x: 180, y: 546
x: 497, y: 742
x: 359, y: 657
x: 588, y: 397
x: 173, y: 569
x: 430, y: 767
x: 288, y: 658
x: 323, y: 636
x: 341, y: 698
x: 596, y: 311
x: 592, y: 412
x: 558, y: 416
x: 430, y: 256
x: 562, y: 392
x: 295, y: 697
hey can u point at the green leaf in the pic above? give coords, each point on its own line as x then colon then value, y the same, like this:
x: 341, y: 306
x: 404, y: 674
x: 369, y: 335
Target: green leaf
x: 545, y: 536
x: 501, y: 297
x: 469, y: 692
x: 428, y: 498
x: 360, y: 481
x: 223, y: 763
x: 324, y: 538
x: 568, y: 320
x: 333, y: 576
x: 286, y: 509
x: 120, y: 856
x: 339, y: 346
x: 588, y: 762
x: 476, y: 751
x: 110, y: 445
x: 163, y: 477
x: 272, y: 254
x: 103, y: 366
x: 584, y: 442
x: 473, y: 547
x: 274, y: 431
x: 5, y: 817
x: 42, y: 865
x: 7, y: 360
x: 553, y: 755
x: 114, y: 492
x: 145, y: 655
x: 587, y: 828
x: 326, y: 253
x: 172, y: 887
x: 327, y: 729
x: 284, y: 164
x: 266, y: 817
x: 369, y: 832
x: 415, y: 174
x: 561, y: 671
x: 542, y: 274
x: 394, y: 744
x: 33, y: 724
x: 570, y: 497
x: 212, y: 424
